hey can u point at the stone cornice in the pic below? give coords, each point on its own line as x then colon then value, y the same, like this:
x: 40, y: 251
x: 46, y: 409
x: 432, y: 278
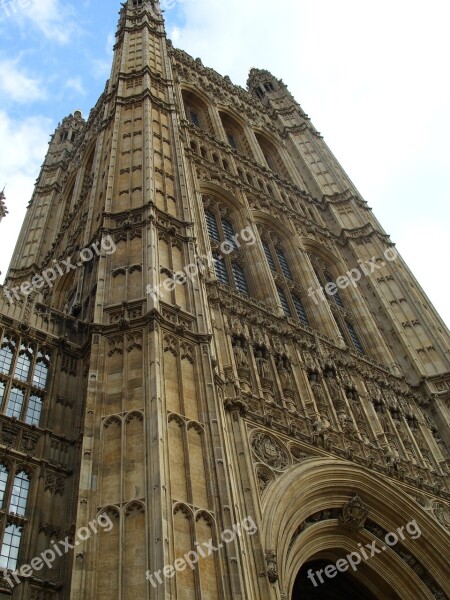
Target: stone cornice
x: 366, y: 231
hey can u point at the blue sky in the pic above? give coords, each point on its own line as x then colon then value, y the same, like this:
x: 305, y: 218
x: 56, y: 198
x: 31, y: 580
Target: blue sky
x: 373, y: 78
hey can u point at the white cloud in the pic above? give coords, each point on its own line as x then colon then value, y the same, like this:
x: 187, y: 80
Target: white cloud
x: 23, y: 147
x: 17, y: 85
x: 51, y: 17
x: 76, y: 83
x: 372, y: 77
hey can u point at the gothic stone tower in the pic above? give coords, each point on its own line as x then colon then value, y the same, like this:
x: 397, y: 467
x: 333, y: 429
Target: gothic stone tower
x: 179, y: 406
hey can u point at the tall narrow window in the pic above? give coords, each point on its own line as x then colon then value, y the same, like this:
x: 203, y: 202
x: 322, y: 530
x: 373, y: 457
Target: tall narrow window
x: 229, y: 232
x: 240, y: 280
x: 19, y: 496
x: 6, y: 357
x: 2, y: 390
x: 34, y: 410
x: 336, y: 296
x: 3, y: 482
x: 15, y: 403
x: 40, y: 374
x: 338, y: 307
x: 300, y: 309
x: 279, y: 265
x: 220, y: 269
x: 269, y: 257
x: 225, y: 250
x: 10, y: 547
x: 211, y: 224
x: 272, y: 155
x: 354, y: 336
x: 284, y: 302
x: 283, y: 263
x: 22, y: 367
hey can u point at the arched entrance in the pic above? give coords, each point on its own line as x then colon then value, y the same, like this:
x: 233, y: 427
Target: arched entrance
x: 303, y: 527
x: 307, y: 585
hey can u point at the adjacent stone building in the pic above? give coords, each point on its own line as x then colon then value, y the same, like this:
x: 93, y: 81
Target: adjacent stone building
x: 168, y: 358
x: 3, y: 210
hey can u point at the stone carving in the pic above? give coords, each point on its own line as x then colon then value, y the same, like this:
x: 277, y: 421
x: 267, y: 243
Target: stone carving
x: 240, y: 354
x: 263, y: 365
x: 284, y: 374
x: 442, y: 513
x: 333, y: 387
x: 265, y: 476
x: 354, y: 514
x: 270, y: 451
x: 54, y: 482
x: 272, y: 568
x: 318, y: 394
x: 9, y: 435
x: 29, y: 442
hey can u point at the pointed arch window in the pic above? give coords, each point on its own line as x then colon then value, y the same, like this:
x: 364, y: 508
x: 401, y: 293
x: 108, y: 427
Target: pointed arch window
x: 22, y: 367
x: 226, y: 252
x: 235, y: 134
x: 290, y: 300
x: 196, y: 111
x: 272, y: 156
x: 6, y: 355
x: 10, y: 547
x: 19, y: 494
x: 338, y: 308
x: 41, y: 371
x: 14, y: 492
x: 24, y: 378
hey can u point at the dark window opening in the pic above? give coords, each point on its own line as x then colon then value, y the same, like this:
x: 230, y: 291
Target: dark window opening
x: 211, y: 224
x: 195, y: 119
x: 231, y: 140
x: 240, y: 280
x: 220, y: 269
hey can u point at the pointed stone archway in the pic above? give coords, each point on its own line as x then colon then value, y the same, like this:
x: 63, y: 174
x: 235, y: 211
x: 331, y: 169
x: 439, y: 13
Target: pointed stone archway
x: 313, y: 493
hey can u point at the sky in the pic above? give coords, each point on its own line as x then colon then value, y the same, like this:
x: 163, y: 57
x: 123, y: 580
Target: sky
x: 374, y: 79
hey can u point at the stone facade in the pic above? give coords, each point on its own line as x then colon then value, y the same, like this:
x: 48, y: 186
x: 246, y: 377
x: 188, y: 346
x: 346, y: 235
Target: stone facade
x: 180, y: 405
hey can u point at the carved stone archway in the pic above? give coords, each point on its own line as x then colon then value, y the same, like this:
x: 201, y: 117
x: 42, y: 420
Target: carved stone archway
x: 301, y: 522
